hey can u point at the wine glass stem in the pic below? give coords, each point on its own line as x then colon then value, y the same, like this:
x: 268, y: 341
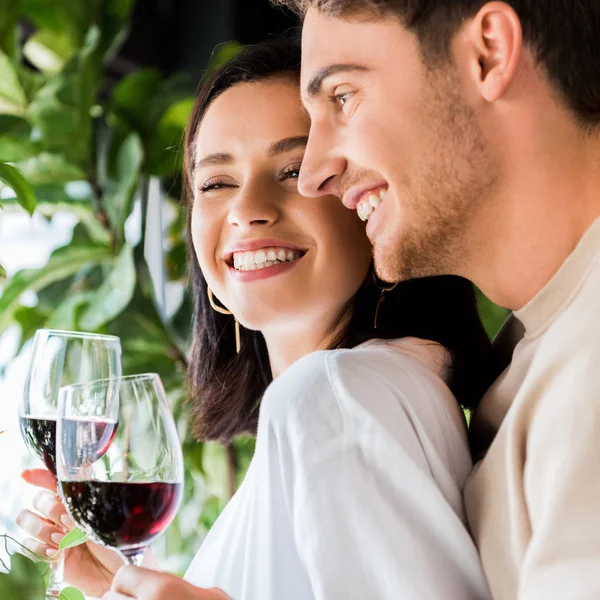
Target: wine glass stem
x: 133, y: 557
x: 55, y: 581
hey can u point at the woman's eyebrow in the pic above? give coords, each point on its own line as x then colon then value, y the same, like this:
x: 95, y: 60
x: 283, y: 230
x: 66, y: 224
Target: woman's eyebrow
x: 287, y: 144
x: 215, y: 160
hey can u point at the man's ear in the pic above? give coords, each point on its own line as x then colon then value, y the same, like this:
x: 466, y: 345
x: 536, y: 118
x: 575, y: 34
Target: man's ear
x: 492, y: 43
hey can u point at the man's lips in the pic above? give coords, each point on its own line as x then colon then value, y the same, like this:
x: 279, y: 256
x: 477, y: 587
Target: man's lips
x: 354, y: 195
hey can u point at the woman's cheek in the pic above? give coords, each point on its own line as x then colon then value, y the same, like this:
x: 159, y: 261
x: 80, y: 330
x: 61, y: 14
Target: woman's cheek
x: 206, y: 234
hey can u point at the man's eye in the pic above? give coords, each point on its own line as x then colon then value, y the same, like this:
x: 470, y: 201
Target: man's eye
x: 341, y: 99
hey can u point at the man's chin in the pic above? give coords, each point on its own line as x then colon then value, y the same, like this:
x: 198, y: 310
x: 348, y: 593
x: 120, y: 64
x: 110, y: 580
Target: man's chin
x: 393, y: 265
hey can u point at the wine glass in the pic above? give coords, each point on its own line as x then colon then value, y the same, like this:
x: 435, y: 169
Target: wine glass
x: 60, y: 358
x: 119, y: 461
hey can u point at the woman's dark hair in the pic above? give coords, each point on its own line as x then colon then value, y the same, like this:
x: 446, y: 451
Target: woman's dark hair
x: 226, y: 387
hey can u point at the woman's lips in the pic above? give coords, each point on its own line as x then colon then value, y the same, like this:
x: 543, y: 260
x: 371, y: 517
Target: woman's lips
x: 264, y: 272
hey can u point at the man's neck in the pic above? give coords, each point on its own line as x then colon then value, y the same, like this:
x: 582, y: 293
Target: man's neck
x: 526, y: 235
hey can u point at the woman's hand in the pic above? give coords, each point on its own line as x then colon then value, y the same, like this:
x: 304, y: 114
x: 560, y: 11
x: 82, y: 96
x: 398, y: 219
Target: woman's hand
x: 89, y: 567
x: 143, y: 584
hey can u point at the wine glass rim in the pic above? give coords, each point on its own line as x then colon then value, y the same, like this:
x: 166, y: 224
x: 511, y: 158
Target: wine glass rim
x: 79, y: 334
x: 126, y: 378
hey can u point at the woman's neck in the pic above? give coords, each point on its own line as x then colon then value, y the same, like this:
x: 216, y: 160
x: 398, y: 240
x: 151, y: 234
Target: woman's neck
x: 287, y: 345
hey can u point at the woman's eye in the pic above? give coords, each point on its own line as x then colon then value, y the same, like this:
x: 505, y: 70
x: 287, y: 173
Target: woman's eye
x: 290, y: 173
x: 215, y: 185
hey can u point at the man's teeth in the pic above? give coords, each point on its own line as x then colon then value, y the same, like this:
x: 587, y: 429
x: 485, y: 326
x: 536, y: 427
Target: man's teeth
x: 261, y: 259
x: 367, y: 205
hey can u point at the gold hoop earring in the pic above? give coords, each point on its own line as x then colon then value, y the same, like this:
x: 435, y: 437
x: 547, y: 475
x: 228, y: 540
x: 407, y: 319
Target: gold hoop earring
x: 384, y: 289
x: 223, y: 311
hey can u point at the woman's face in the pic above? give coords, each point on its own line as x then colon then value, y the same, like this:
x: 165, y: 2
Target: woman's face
x: 276, y: 259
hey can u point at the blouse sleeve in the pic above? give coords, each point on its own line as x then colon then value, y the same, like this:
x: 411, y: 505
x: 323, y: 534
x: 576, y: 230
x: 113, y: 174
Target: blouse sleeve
x: 368, y: 517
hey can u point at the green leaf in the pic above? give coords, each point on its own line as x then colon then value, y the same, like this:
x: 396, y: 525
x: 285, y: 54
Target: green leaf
x: 15, y: 139
x: 222, y: 54
x: 45, y: 571
x: 70, y: 17
x: 12, y: 97
x: 492, y: 316
x: 215, y: 466
x: 48, y: 168
x: 64, y: 262
x: 133, y: 97
x: 24, y: 582
x: 25, y: 195
x: 61, y: 109
x: 29, y: 319
x: 10, y: 11
x: 120, y: 199
x: 114, y: 294
x: 71, y: 593
x: 166, y: 147
x: 48, y: 50
x: 65, y: 316
x: 75, y: 537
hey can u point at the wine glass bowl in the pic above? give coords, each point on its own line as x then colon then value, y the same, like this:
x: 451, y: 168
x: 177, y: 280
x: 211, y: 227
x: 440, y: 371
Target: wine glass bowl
x: 119, y: 461
x: 60, y: 358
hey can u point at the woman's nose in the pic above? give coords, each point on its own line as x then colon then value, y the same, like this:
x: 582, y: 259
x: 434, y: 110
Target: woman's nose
x: 254, y: 207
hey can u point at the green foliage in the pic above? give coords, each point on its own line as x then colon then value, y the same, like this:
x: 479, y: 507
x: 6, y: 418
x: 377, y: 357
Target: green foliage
x: 75, y: 537
x: 59, y: 125
x: 24, y: 581
x: 70, y: 593
x: 24, y: 192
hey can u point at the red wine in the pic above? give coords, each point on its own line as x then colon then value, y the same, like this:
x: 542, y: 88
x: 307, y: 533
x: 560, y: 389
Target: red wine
x: 122, y: 515
x: 93, y: 437
x: 40, y: 437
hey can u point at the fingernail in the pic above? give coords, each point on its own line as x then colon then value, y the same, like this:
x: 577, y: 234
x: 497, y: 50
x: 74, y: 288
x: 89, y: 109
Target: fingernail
x: 50, y: 552
x: 57, y: 537
x: 66, y: 521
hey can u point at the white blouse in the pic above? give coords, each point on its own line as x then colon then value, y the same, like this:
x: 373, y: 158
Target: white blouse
x: 354, y: 491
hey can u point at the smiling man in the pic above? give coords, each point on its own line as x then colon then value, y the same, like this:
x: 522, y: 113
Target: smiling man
x: 467, y: 134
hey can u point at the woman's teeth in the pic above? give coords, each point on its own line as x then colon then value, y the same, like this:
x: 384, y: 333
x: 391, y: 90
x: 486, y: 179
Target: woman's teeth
x: 366, y: 206
x: 261, y: 259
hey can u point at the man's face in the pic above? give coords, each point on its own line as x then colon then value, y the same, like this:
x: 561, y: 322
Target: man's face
x: 389, y: 134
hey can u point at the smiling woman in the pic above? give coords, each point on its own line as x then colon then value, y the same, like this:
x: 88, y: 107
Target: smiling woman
x: 361, y: 447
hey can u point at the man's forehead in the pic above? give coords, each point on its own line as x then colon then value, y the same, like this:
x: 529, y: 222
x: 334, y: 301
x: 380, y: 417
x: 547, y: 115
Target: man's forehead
x: 328, y: 40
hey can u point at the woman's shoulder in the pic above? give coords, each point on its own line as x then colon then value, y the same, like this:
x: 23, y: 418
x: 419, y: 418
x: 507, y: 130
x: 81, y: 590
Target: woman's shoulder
x: 373, y: 382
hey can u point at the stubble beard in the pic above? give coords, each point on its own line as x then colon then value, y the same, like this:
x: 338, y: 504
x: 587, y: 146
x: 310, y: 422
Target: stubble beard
x: 445, y: 196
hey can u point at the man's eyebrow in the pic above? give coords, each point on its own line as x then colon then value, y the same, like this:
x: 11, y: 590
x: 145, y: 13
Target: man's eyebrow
x: 314, y: 85
x: 215, y: 160
x: 287, y: 144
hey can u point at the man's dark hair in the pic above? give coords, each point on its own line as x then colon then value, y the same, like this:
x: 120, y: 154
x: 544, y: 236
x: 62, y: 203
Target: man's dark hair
x: 564, y: 36
x: 226, y: 387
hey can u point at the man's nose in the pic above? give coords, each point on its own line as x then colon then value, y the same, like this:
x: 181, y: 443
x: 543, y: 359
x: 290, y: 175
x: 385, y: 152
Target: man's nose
x: 322, y: 165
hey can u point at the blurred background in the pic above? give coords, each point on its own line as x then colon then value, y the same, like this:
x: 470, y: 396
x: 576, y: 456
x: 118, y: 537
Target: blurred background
x: 94, y: 97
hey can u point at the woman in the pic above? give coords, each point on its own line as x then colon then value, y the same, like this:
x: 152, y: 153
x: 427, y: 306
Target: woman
x: 355, y: 487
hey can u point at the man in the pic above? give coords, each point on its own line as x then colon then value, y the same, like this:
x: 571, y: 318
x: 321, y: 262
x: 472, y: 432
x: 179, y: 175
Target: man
x: 467, y: 135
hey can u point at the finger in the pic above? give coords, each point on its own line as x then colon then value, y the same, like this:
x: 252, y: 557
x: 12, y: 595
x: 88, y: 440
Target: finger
x: 39, y: 548
x: 127, y: 580
x: 50, y: 507
x: 39, y: 528
x: 219, y: 593
x: 40, y: 478
x: 115, y: 596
